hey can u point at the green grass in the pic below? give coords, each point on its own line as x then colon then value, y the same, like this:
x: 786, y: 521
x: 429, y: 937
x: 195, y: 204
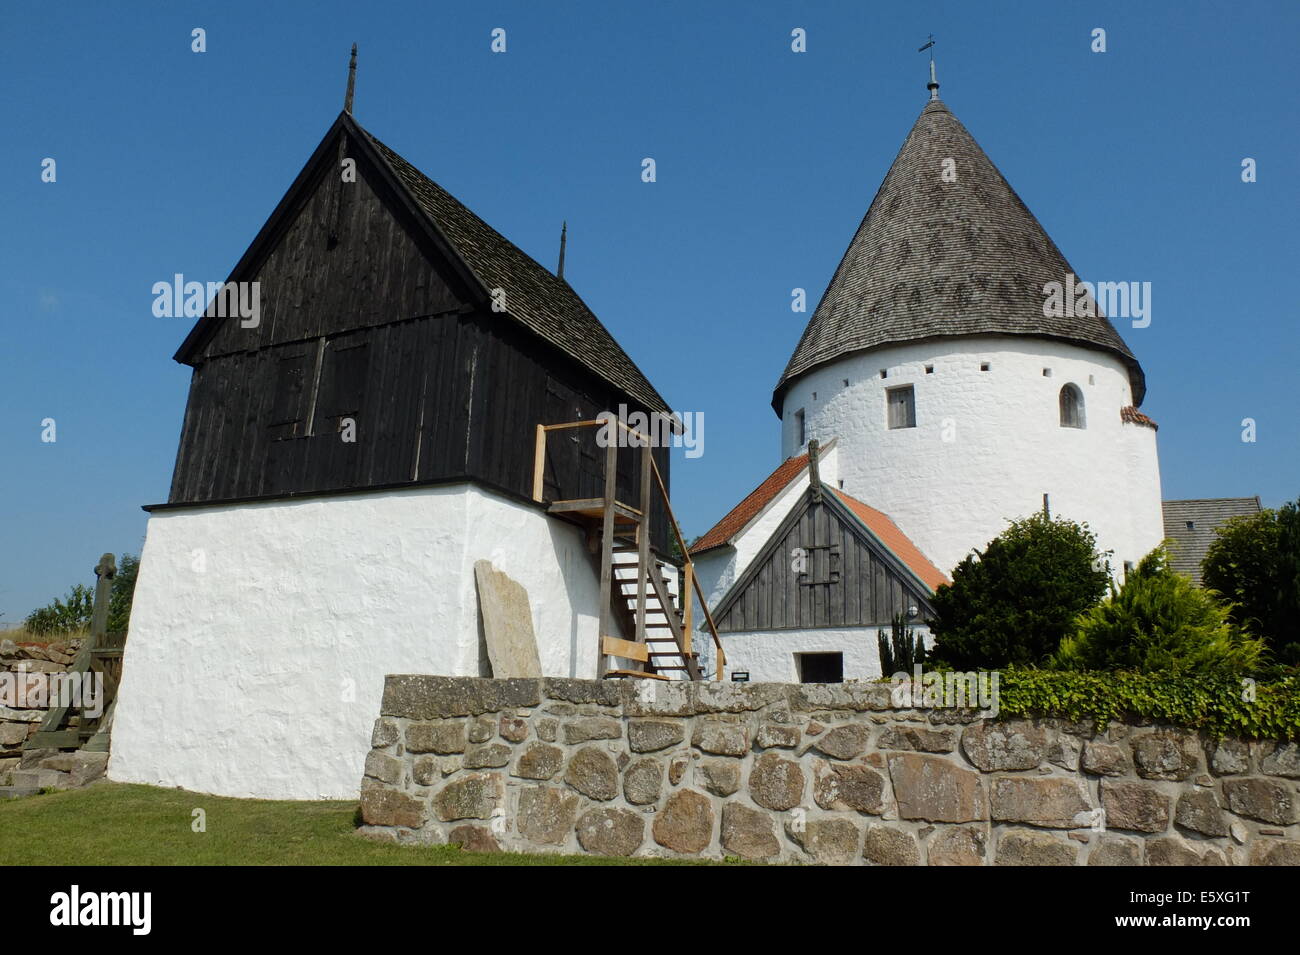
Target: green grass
x: 120, y: 824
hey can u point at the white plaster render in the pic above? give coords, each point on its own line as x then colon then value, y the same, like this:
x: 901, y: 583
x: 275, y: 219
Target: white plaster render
x: 261, y: 633
x: 987, y: 444
x: 769, y: 655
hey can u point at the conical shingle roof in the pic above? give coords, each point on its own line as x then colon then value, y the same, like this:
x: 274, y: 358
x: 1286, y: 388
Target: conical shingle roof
x: 937, y: 258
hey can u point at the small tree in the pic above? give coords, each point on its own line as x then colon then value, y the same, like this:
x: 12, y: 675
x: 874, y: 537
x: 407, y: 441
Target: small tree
x: 73, y: 614
x: 903, y: 650
x: 1160, y: 622
x: 1016, y: 601
x: 1254, y: 562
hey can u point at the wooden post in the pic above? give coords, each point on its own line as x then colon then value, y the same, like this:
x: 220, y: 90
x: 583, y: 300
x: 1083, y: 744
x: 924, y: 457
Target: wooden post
x: 539, y: 462
x: 105, y: 570
x: 607, y: 552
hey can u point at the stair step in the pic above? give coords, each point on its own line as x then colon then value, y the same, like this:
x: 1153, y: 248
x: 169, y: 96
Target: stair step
x: 636, y: 674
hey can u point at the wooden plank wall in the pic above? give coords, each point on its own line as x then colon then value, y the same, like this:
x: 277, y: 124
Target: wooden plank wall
x: 847, y: 584
x: 371, y: 330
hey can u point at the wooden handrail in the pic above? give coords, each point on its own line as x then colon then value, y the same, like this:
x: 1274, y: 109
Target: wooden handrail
x: 691, y: 579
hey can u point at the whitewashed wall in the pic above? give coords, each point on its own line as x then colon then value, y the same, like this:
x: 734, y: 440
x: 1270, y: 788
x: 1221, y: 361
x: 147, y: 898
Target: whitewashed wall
x: 261, y: 633
x: 769, y: 655
x: 988, y: 444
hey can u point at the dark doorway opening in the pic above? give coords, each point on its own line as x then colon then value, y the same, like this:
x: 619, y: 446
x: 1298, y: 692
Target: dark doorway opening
x: 820, y: 667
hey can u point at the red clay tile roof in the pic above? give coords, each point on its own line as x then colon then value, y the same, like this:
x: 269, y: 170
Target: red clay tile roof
x: 1131, y: 415
x: 744, y: 512
x: 879, y: 524
x: 876, y: 521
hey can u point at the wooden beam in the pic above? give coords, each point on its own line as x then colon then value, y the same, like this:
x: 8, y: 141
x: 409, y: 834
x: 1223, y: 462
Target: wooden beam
x: 607, y: 550
x: 628, y: 649
x: 539, y: 462
x: 643, y: 544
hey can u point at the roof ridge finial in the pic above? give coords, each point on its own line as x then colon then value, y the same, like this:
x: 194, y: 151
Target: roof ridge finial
x: 564, y: 234
x: 933, y: 85
x: 352, y: 82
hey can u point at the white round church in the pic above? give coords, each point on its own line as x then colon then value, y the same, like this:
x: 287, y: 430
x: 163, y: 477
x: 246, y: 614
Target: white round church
x: 958, y: 404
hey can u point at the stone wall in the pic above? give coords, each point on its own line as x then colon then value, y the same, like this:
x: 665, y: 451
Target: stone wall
x: 813, y: 774
x: 19, y: 716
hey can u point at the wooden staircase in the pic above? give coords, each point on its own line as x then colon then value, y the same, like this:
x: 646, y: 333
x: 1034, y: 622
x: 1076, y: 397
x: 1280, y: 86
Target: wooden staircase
x: 652, y: 603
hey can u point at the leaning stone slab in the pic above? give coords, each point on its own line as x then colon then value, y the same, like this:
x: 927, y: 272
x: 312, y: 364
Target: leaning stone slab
x: 507, y: 623
x: 936, y: 790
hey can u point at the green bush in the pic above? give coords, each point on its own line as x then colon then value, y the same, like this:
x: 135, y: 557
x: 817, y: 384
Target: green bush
x: 1254, y: 563
x: 902, y: 649
x: 1016, y: 601
x: 1159, y: 622
x: 1218, y: 704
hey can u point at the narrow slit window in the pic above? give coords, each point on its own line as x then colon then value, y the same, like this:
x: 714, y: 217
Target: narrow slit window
x: 800, y: 432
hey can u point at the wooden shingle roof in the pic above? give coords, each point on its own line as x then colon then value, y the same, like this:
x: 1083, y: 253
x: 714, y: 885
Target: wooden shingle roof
x: 1190, y: 526
x: 533, y: 295
x: 934, y: 258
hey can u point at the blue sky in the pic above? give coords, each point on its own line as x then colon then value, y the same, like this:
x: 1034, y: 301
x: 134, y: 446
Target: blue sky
x: 169, y: 161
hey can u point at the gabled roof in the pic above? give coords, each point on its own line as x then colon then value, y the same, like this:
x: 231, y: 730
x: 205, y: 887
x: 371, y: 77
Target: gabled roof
x: 1205, y: 515
x: 888, y: 533
x: 723, y: 532
x: 934, y: 258
x: 534, y: 297
x: 877, y: 522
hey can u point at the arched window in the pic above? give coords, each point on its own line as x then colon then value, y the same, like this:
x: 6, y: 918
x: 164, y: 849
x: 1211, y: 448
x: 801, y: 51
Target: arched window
x: 1072, y: 407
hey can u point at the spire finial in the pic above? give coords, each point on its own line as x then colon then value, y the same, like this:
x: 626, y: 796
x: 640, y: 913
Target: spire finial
x: 352, y: 82
x: 933, y: 85
x: 564, y: 235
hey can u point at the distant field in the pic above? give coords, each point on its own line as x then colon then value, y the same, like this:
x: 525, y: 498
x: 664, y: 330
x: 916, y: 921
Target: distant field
x: 120, y: 824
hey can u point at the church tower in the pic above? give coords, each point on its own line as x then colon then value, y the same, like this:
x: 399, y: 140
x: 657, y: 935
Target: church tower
x: 957, y: 403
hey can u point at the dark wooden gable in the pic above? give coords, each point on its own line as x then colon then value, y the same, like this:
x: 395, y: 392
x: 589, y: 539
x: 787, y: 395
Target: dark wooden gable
x: 371, y: 321
x: 821, y: 568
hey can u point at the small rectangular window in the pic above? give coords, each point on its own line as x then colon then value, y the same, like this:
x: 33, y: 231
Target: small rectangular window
x: 902, y: 407
x: 800, y: 432
x: 884, y: 373
x: 820, y: 667
x: 929, y: 369
x: 984, y: 366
